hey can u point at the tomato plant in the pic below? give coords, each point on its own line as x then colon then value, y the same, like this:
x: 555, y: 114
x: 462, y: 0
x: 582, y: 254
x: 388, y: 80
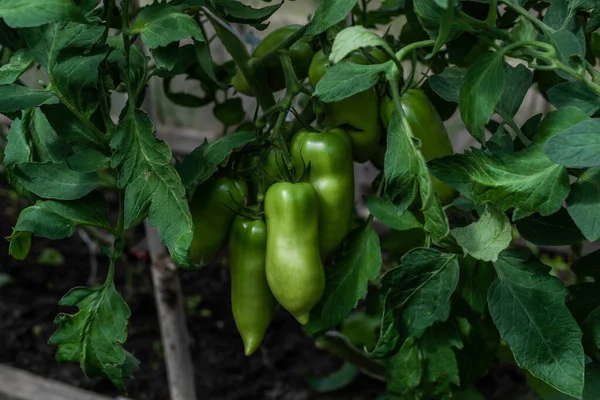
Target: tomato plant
x: 461, y: 273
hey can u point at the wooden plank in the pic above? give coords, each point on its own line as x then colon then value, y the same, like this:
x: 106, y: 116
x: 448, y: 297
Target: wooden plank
x: 17, y: 384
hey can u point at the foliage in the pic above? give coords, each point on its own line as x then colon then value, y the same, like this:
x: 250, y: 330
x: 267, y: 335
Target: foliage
x: 446, y: 306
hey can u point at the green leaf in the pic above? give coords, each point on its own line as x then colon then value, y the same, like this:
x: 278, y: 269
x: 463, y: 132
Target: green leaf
x: 356, y: 263
x: 432, y: 17
x: 16, y: 97
x: 161, y: 23
x: 47, y: 146
x: 71, y: 129
x: 18, y: 149
x: 353, y: 38
x: 575, y: 94
x: 230, y: 112
x: 202, y: 162
x: 436, y: 221
x: 585, y: 307
x: 481, y: 89
x: 588, y: 266
x: 165, y: 57
x: 557, y: 229
x: 583, y: 202
x: 329, y: 13
x: 447, y: 84
x: 404, y: 370
x: 528, y: 307
x: 87, y: 161
x: 445, y: 25
x: 487, y: 237
x: 94, y: 335
x: 577, y: 146
x: 58, y: 219
x: 475, y: 280
x: 135, y: 73
x: 152, y: 186
x: 592, y: 382
x: 391, y: 214
x: 567, y: 45
x: 20, y: 242
x: 56, y: 180
x: 19, y: 63
x: 346, y: 79
x: 337, y: 380
x: 520, y: 78
x: 441, y: 366
x: 235, y: 11
x: 420, y: 289
x: 28, y: 13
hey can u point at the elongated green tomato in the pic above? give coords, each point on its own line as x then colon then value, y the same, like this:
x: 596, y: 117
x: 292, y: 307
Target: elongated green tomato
x: 426, y: 125
x: 252, y: 302
x: 360, y: 112
x: 301, y: 54
x: 212, y: 213
x: 332, y: 175
x: 294, y: 269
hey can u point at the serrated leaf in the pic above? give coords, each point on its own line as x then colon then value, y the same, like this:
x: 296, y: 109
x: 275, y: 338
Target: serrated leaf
x: 583, y: 203
x: 528, y: 307
x: 71, y: 129
x: 161, y: 23
x: 353, y: 38
x: 58, y: 219
x: 447, y: 84
x: 441, y: 366
x: 557, y: 229
x: 391, y: 214
x: 577, y: 146
x: 152, y: 186
x: 404, y: 369
x: 487, y: 237
x: 585, y: 307
x: 16, y: 97
x: 28, y: 13
x: 329, y: 13
x: 56, y: 180
x: 346, y: 79
x: 420, y: 289
x: 87, y: 161
x: 480, y: 92
x: 94, y: 335
x: 202, y: 162
x: 574, y: 94
x: 18, y: 149
x: 356, y: 263
x: 19, y: 63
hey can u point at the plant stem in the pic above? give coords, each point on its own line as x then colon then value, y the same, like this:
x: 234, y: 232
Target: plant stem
x: 400, y: 55
x: 492, y: 13
x: 511, y: 122
x: 521, y: 11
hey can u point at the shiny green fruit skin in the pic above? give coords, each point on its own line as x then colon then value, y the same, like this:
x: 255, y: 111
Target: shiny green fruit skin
x: 294, y: 269
x: 331, y: 173
x: 252, y: 302
x: 211, y: 216
x: 426, y: 125
x: 301, y: 54
x: 360, y: 112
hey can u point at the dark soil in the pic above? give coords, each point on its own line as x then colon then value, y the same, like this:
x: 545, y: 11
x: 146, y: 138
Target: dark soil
x: 277, y: 371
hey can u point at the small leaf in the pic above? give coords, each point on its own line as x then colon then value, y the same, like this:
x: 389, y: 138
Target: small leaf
x: 577, y: 146
x: 202, y: 162
x: 20, y: 242
x: 16, y: 97
x: 235, y: 11
x: 392, y: 215
x: 353, y: 38
x: 583, y: 203
x: 432, y: 17
x: 94, y: 335
x: 404, y: 369
x: 420, y: 289
x: 356, y: 263
x: 575, y: 94
x: 56, y: 180
x: 230, y: 112
x: 336, y: 381
x: 520, y: 78
x: 19, y: 63
x: 487, y: 237
x: 87, y: 161
x: 447, y: 84
x: 329, y: 13
x: 481, y: 89
x: 557, y: 229
x: 346, y: 79
x: 161, y: 23
x: 528, y: 307
x: 27, y: 13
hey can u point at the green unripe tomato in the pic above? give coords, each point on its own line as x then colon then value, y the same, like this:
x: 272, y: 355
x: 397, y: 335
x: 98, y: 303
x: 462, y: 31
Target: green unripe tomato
x: 301, y: 54
x: 332, y: 175
x: 358, y: 114
x: 212, y: 213
x: 293, y: 263
x: 252, y: 302
x: 426, y: 125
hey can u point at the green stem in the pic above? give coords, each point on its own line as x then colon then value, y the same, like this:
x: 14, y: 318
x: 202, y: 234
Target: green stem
x: 492, y: 13
x: 400, y: 55
x: 523, y: 12
x: 510, y: 122
x: 126, y: 42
